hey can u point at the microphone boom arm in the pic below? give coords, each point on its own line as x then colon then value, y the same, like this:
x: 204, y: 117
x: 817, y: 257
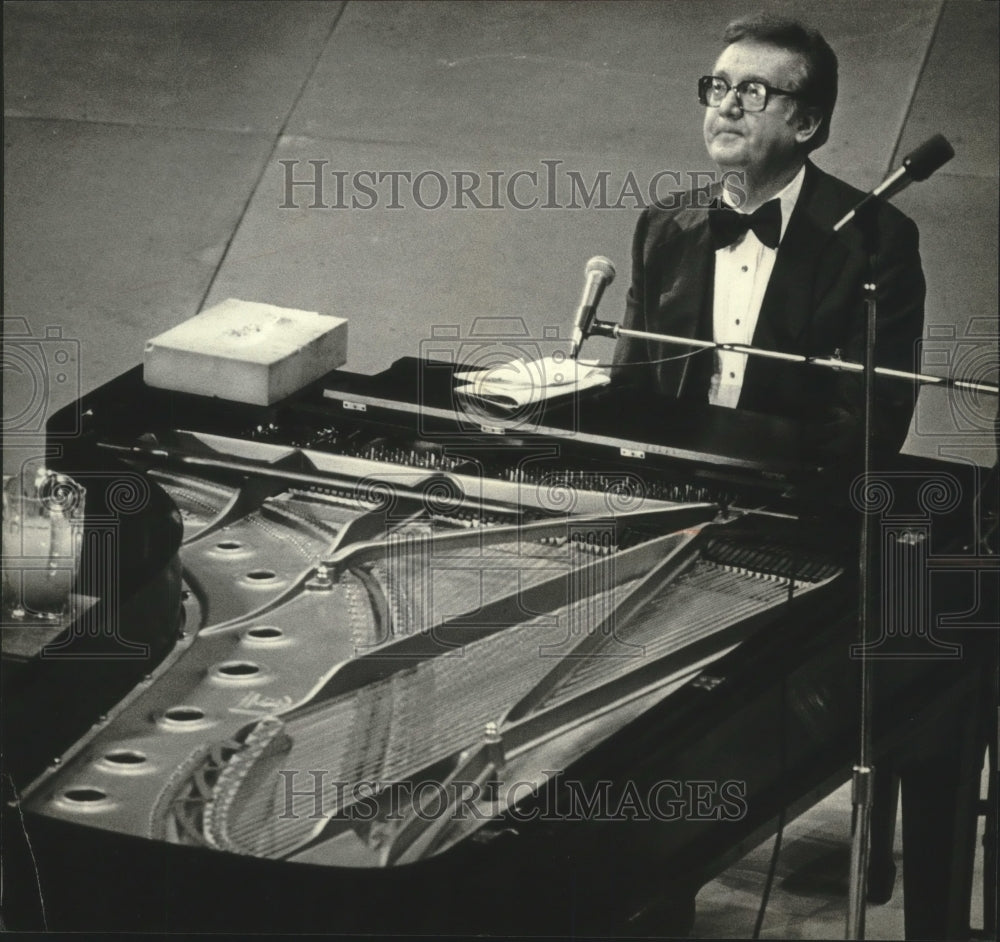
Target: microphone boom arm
x: 608, y: 329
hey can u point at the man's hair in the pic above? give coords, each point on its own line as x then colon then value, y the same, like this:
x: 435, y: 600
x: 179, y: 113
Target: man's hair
x: 819, y: 88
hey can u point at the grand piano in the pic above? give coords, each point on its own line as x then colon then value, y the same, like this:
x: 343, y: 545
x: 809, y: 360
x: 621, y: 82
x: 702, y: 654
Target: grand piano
x: 381, y: 659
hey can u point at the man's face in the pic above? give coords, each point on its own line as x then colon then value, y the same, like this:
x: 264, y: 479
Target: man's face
x: 762, y: 143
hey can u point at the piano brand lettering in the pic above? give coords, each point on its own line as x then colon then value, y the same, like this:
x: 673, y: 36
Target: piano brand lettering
x: 257, y: 703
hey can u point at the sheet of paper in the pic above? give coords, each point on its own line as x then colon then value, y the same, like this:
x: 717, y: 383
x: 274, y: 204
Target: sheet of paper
x: 521, y: 382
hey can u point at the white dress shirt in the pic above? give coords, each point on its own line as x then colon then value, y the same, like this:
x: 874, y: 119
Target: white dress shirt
x: 742, y: 271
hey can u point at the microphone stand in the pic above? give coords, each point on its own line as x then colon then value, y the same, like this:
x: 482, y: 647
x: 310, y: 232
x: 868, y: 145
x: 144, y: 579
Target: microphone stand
x: 863, y: 773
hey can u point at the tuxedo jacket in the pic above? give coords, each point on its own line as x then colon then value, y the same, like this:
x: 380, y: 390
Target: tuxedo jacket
x: 813, y: 305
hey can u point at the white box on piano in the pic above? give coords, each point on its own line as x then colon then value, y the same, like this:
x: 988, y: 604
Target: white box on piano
x: 246, y: 352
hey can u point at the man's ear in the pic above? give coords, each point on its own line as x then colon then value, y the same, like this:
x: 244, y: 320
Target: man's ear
x: 807, y: 122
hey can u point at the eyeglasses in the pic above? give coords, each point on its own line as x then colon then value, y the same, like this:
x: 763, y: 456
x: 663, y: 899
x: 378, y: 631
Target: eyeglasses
x: 750, y: 95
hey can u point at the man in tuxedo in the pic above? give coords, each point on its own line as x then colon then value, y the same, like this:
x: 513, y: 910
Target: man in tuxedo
x: 754, y: 260
x: 787, y: 283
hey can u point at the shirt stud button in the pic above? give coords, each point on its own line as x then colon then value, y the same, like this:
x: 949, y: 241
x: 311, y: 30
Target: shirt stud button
x: 732, y: 376
x: 744, y: 268
x: 737, y: 320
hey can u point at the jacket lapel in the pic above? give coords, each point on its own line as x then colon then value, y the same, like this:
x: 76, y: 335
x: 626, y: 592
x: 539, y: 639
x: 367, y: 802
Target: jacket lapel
x: 785, y: 311
x: 684, y: 301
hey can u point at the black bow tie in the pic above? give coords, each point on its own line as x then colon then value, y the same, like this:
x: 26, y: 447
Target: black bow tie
x: 729, y: 226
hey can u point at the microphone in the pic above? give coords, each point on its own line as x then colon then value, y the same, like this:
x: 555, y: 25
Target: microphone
x: 919, y: 164
x: 600, y: 273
